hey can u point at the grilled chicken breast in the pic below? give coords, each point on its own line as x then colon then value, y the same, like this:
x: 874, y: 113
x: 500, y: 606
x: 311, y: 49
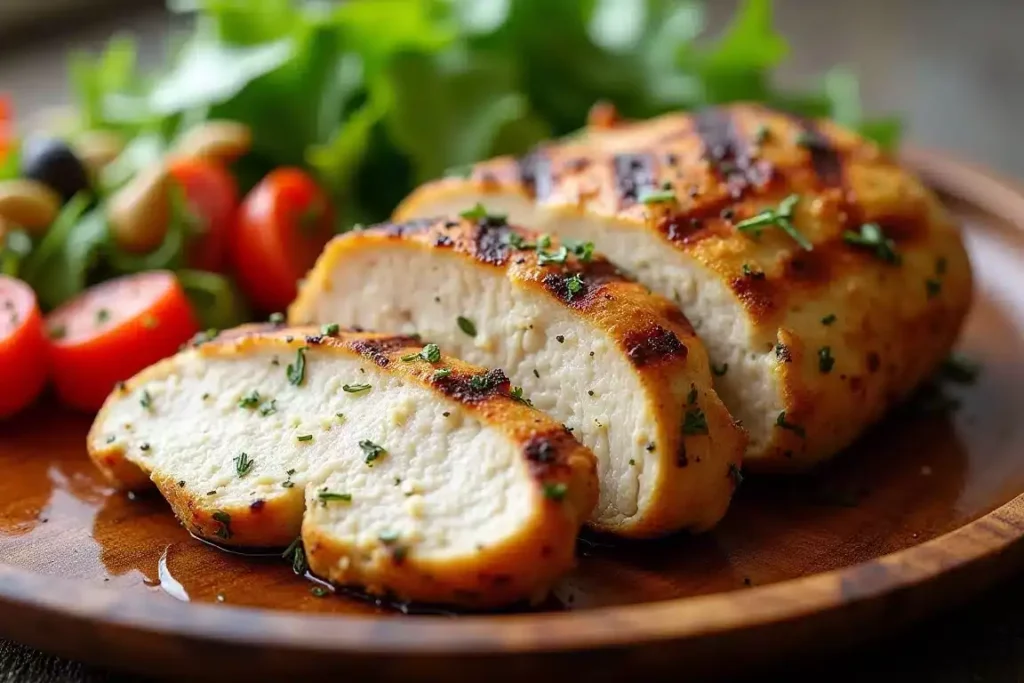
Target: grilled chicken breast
x: 425, y: 480
x: 825, y: 280
x: 619, y: 366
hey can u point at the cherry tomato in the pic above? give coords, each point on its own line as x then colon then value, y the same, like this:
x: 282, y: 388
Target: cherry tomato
x: 23, y: 349
x: 113, y: 330
x: 283, y: 225
x: 6, y: 126
x: 212, y: 196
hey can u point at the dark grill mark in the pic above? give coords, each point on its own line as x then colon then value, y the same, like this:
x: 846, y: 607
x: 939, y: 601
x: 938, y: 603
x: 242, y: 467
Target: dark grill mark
x: 407, y: 228
x: 535, y: 173
x: 546, y: 452
x: 463, y: 388
x: 634, y: 173
x: 653, y: 345
x: 257, y: 505
x: 315, y: 339
x: 377, y: 349
x: 442, y: 240
x: 490, y: 241
x: 730, y: 155
x: 825, y: 158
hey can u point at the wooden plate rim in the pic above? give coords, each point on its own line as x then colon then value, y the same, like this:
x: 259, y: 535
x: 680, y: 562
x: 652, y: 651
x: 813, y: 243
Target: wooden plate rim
x: 985, y: 538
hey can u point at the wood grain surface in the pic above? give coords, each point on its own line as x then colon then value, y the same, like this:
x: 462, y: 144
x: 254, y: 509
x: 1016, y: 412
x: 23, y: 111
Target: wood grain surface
x: 921, y: 512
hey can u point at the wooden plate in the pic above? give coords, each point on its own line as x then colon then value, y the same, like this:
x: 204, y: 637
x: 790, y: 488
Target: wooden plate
x: 923, y: 511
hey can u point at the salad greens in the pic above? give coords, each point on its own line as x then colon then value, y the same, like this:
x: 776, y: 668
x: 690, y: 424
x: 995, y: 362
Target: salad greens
x: 376, y: 96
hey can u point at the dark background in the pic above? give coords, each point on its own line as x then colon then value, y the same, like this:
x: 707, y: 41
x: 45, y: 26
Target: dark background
x: 953, y: 69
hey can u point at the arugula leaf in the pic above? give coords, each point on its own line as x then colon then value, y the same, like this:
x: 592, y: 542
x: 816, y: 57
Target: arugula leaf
x: 214, y: 298
x: 58, y: 269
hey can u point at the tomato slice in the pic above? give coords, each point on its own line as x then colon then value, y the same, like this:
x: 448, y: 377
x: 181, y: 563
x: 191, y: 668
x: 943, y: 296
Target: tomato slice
x: 24, y: 363
x: 6, y: 126
x: 212, y: 196
x: 283, y: 225
x: 112, y: 331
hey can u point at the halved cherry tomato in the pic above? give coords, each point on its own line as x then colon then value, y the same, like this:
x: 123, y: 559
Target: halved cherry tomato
x: 212, y: 196
x: 283, y: 225
x: 23, y: 359
x: 113, y: 330
x: 6, y: 126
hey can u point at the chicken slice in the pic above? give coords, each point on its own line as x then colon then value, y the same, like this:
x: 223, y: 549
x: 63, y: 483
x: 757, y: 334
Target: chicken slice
x: 619, y: 366
x: 826, y: 281
x: 423, y: 480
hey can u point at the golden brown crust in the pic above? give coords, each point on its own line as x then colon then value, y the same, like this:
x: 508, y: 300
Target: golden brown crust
x: 694, y: 477
x: 893, y: 322
x: 520, y: 565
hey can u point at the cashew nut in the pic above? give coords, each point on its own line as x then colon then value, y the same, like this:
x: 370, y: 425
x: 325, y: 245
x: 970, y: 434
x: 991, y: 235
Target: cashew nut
x: 140, y: 211
x: 97, y: 148
x: 28, y: 204
x: 222, y: 141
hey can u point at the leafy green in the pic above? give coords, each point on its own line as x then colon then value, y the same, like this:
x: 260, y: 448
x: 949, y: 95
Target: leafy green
x: 214, y: 298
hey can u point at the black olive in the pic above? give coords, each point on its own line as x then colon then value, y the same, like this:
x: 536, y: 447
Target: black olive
x: 51, y: 162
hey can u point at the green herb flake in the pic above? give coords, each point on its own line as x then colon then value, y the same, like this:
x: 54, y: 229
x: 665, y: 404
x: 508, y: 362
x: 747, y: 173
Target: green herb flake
x: 480, y: 213
x: 243, y: 464
x: 355, y: 388
x: 268, y: 408
x: 694, y: 422
x: 319, y: 592
x: 825, y: 360
x: 558, y: 256
x: 466, y: 325
x: 296, y: 372
x: 517, y: 395
x: 828, y: 319
x: 304, y: 437
x: 430, y: 353
x: 574, y: 285
x: 720, y: 370
x: 223, y: 519
x: 441, y: 374
x: 295, y: 554
x: 330, y: 329
x: 146, y: 401
x: 371, y: 451
x: 584, y: 251
x: 329, y: 496
x: 555, y: 490
x: 779, y: 217
x: 870, y: 236
x: 657, y: 196
x: 480, y: 382
x: 782, y: 423
x: 102, y: 316
x: 250, y: 401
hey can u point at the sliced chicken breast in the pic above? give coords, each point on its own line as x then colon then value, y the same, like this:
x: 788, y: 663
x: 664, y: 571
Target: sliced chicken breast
x: 619, y: 366
x: 423, y: 480
x: 825, y: 280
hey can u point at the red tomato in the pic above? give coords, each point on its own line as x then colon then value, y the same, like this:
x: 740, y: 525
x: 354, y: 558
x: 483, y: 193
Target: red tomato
x: 6, y: 125
x: 23, y: 359
x: 212, y: 195
x: 113, y: 330
x: 283, y: 225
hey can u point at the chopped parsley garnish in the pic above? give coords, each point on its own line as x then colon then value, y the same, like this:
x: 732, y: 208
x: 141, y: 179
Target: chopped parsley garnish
x: 517, y: 394
x: 330, y: 329
x: 250, y: 400
x: 296, y: 372
x: 694, y: 420
x: 223, y: 519
x: 574, y: 285
x: 781, y: 422
x: 243, y: 464
x: 555, y: 490
x: 479, y: 213
x: 720, y: 370
x: 355, y: 388
x: 657, y: 196
x: 442, y: 373
x: 825, y: 359
x: 780, y: 217
x: 516, y: 241
x: 430, y: 353
x: 146, y: 401
x: 932, y: 287
x: 327, y: 496
x: 584, y: 251
x: 268, y: 408
x: 828, y: 319
x: 544, y: 241
x: 277, y: 318
x: 466, y: 325
x: 870, y: 236
x: 480, y: 382
x: 304, y: 437
x: 102, y: 316
x: 371, y: 450
x: 557, y: 256
x: 319, y: 592
x: 296, y: 554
